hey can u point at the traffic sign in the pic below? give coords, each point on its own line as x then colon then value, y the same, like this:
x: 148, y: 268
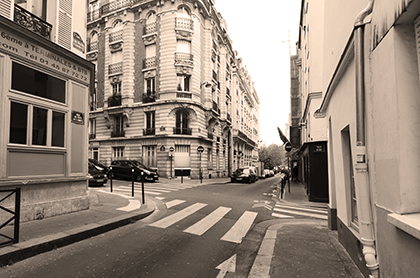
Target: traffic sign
x: 171, y: 149
x: 200, y: 149
x: 288, y: 147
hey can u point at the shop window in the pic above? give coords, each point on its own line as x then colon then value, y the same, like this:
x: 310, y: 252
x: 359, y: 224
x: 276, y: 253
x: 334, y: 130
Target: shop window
x: 38, y: 83
x: 42, y: 120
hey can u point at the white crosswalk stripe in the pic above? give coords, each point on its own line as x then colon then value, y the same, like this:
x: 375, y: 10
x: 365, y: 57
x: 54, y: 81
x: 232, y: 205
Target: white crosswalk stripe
x: 235, y: 234
x: 241, y: 227
x: 207, y: 222
x: 287, y: 210
x: 154, y: 189
x: 173, y: 218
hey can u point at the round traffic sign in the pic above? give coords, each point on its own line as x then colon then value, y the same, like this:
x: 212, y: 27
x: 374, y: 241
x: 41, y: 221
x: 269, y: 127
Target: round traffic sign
x: 288, y: 147
x: 171, y: 149
x: 200, y: 149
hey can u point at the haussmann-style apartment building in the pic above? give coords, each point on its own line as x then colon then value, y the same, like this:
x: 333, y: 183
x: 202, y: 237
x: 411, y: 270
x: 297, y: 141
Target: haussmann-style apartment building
x: 170, y: 90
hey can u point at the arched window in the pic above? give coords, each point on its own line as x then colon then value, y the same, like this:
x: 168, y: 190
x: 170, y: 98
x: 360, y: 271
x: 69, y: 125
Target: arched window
x: 151, y: 18
x: 93, y: 42
x: 183, y: 12
x: 117, y: 25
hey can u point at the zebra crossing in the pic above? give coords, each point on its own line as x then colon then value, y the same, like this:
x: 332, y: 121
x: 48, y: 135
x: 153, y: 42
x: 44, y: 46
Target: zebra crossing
x: 235, y: 234
x: 154, y: 189
x: 290, y: 210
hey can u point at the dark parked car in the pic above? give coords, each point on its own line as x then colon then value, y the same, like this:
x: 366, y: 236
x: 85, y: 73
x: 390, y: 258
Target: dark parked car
x: 123, y: 169
x: 247, y: 174
x: 97, y: 174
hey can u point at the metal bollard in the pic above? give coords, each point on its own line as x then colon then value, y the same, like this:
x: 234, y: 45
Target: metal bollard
x: 132, y: 182
x: 110, y: 177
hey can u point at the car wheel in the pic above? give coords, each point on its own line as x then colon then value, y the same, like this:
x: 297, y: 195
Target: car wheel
x: 232, y: 180
x: 138, y: 177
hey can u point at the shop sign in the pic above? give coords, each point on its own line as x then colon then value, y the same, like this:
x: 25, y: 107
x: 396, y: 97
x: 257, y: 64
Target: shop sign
x: 16, y: 45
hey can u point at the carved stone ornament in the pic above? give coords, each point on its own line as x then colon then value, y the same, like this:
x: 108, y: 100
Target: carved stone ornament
x: 183, y: 70
x: 92, y: 56
x: 116, y: 47
x: 183, y: 35
x: 149, y: 74
x: 107, y: 120
x: 149, y: 39
x: 127, y: 112
x: 115, y: 80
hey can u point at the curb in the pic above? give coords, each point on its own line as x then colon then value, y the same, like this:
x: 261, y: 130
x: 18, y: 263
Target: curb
x: 20, y: 251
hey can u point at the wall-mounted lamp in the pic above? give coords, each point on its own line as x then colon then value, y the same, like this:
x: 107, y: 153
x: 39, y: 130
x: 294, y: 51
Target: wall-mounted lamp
x: 205, y: 84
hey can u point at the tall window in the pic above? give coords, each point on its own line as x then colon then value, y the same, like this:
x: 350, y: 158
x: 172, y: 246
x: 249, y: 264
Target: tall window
x: 95, y: 153
x: 183, y: 83
x: 37, y: 7
x: 182, y: 122
x: 150, y: 86
x: 116, y: 89
x: 149, y: 156
x: 150, y: 123
x: 209, y: 158
x: 118, y: 129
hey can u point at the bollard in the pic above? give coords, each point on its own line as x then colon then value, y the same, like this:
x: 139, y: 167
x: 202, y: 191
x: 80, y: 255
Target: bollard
x: 182, y: 175
x: 110, y: 177
x: 142, y: 187
x: 132, y: 183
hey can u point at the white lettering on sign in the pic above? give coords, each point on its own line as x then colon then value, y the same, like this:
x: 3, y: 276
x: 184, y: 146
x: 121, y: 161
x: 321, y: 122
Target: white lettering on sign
x: 17, y: 46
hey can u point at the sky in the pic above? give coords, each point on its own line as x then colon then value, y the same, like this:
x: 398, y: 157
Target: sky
x: 260, y: 34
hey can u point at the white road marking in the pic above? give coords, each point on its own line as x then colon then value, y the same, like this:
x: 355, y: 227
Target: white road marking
x: 173, y: 218
x: 133, y: 205
x: 302, y: 213
x: 320, y: 211
x: 281, y: 215
x: 207, y: 222
x: 241, y: 227
x: 174, y: 203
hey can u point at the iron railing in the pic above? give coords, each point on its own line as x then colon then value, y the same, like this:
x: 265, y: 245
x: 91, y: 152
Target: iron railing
x: 183, y: 130
x: 31, y: 22
x: 15, y: 215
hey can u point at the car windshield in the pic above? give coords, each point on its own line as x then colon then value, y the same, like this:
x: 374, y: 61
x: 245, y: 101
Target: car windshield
x: 244, y: 171
x: 138, y: 163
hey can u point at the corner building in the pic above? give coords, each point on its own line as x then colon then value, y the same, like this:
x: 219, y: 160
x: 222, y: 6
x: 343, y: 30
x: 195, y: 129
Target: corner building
x: 163, y: 86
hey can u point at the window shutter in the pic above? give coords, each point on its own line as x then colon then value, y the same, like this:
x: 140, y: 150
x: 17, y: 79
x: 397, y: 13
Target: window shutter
x: 65, y: 23
x: 6, y: 8
x: 417, y: 36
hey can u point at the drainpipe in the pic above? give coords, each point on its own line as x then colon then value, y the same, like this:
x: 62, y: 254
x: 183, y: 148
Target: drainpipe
x: 361, y: 167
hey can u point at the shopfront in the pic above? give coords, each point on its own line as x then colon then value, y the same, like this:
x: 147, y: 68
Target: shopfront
x: 44, y: 113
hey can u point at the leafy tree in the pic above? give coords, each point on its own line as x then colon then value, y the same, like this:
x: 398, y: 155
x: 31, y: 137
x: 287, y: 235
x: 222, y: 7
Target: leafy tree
x: 272, y: 155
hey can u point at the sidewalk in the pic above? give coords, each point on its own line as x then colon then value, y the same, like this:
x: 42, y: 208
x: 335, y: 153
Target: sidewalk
x: 303, y: 248
x: 107, y: 212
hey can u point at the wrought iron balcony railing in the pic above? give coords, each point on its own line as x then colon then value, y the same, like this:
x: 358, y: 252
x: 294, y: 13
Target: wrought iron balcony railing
x: 114, y: 100
x: 184, y: 59
x: 184, y: 95
x: 92, y: 46
x: 149, y: 97
x: 118, y: 133
x: 31, y: 22
x: 183, y: 130
x: 149, y: 131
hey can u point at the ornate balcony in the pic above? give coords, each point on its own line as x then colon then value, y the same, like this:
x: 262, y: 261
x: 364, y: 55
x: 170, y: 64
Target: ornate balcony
x: 149, y: 62
x: 184, y: 95
x: 115, y: 68
x: 149, y: 97
x: 183, y: 130
x: 31, y: 22
x: 114, y: 100
x: 118, y: 133
x: 116, y: 36
x: 149, y: 28
x: 184, y: 23
x: 184, y: 59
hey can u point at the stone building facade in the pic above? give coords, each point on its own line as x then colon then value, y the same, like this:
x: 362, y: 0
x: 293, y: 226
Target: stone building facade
x: 165, y: 77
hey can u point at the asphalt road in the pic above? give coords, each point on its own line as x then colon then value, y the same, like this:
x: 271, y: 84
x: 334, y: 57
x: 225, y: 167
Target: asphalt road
x: 164, y: 246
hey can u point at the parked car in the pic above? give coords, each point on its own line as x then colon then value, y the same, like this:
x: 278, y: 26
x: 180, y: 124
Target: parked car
x: 247, y: 174
x: 272, y: 174
x: 97, y: 174
x: 266, y: 173
x: 123, y: 169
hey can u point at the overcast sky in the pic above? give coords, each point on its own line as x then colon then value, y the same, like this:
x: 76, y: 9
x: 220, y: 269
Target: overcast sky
x: 260, y: 34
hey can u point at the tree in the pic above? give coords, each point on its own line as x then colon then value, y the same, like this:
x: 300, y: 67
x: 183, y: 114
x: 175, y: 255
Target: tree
x: 272, y: 155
